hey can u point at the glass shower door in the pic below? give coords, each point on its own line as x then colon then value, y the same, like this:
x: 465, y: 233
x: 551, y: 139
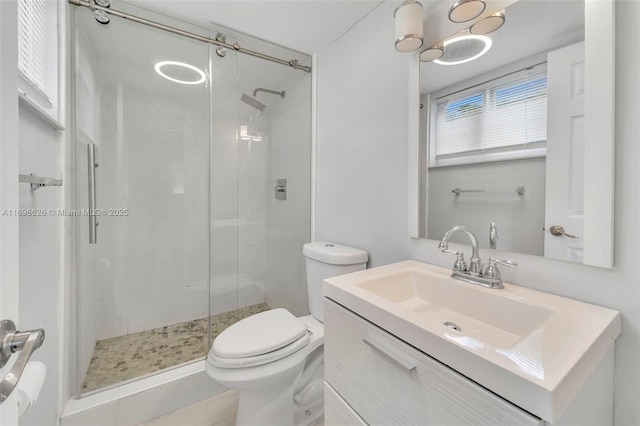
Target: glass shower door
x: 190, y: 236
x: 261, y: 134
x: 142, y: 104
x: 235, y: 294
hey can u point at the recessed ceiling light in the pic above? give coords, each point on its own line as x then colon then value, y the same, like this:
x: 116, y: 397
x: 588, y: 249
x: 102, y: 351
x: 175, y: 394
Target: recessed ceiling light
x: 179, y: 72
x: 464, y: 48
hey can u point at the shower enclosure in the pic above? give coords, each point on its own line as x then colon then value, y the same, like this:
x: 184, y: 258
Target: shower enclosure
x: 192, y: 191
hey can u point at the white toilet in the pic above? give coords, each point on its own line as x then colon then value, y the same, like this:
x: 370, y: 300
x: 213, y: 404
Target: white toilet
x: 276, y: 360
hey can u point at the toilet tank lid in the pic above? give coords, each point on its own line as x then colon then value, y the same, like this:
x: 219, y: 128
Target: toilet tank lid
x: 334, y: 254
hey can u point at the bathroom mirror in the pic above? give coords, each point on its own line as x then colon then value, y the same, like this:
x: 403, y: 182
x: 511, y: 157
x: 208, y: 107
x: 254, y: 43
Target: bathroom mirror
x: 522, y: 136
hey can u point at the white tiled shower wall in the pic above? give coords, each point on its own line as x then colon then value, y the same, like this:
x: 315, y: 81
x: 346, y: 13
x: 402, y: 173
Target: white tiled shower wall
x: 237, y: 206
x: 152, y: 264
x: 289, y: 221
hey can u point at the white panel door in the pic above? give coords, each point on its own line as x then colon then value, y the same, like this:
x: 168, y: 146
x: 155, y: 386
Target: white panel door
x: 8, y: 183
x: 564, y: 199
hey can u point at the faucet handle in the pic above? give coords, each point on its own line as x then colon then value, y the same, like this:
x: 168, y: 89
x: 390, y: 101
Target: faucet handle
x: 460, y: 265
x: 492, y: 270
x: 505, y: 262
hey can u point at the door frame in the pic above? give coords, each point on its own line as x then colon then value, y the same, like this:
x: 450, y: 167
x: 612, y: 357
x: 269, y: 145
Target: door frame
x: 9, y: 237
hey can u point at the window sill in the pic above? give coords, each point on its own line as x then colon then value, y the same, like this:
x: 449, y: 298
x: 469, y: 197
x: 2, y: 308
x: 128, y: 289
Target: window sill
x: 34, y: 107
x: 489, y: 158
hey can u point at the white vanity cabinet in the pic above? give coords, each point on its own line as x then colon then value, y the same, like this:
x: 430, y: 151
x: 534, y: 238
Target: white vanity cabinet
x: 388, y: 382
x: 374, y: 378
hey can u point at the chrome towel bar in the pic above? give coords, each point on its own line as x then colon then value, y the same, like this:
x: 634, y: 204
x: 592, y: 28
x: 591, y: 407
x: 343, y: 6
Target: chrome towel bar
x: 519, y: 190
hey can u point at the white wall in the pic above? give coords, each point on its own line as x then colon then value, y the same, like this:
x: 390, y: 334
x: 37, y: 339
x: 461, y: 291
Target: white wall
x: 519, y: 218
x: 361, y: 153
x: 362, y: 178
x: 41, y: 151
x: 39, y: 256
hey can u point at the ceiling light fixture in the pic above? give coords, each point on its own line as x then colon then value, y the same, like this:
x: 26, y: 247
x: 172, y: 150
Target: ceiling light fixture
x: 488, y: 24
x: 408, y: 22
x: 432, y: 53
x: 464, y: 48
x: 466, y: 10
x: 178, y: 69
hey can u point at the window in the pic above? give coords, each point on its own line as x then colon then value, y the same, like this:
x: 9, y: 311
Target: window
x: 504, y: 118
x: 32, y: 41
x: 37, y: 50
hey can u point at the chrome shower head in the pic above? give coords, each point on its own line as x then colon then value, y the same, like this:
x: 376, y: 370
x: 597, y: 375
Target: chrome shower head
x: 273, y: 92
x: 253, y: 102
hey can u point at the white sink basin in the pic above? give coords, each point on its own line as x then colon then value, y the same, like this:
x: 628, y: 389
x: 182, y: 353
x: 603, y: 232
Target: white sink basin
x: 533, y: 348
x: 482, y: 314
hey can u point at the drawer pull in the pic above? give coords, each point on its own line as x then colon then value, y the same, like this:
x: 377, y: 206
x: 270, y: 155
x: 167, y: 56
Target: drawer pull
x: 390, y: 353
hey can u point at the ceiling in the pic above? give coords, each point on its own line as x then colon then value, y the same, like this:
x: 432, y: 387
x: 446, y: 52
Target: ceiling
x: 531, y: 27
x: 308, y: 26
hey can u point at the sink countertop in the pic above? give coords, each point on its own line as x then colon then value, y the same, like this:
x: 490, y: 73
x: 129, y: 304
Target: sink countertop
x: 534, y: 349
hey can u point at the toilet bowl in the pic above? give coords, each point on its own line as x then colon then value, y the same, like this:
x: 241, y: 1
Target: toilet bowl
x: 269, y: 387
x: 276, y: 360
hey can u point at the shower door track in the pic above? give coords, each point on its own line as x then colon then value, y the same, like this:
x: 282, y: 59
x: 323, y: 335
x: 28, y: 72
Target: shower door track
x: 93, y: 6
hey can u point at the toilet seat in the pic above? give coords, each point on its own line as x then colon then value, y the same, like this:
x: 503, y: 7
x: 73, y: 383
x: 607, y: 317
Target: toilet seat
x: 259, y: 339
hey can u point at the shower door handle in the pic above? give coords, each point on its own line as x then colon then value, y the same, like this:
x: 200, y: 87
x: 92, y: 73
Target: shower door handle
x: 93, y: 219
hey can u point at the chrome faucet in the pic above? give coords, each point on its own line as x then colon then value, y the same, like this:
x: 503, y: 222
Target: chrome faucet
x: 489, y: 277
x: 475, y: 265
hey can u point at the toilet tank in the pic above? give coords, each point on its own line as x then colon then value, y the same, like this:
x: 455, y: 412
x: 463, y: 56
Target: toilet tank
x: 326, y: 260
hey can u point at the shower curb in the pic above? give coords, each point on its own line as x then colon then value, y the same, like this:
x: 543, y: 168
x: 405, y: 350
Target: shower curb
x: 143, y: 400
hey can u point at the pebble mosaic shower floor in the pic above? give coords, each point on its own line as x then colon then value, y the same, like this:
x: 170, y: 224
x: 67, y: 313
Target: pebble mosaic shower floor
x: 131, y: 356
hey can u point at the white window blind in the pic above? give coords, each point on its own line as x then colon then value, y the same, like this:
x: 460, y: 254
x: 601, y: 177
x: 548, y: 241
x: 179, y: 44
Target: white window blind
x: 32, y: 41
x: 504, y: 118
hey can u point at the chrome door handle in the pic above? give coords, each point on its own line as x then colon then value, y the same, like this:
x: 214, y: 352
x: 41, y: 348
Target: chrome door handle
x: 558, y: 231
x: 12, y: 341
x: 91, y: 163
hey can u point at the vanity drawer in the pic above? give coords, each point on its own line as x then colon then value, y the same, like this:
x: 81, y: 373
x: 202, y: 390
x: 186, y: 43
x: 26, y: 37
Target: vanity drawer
x: 337, y: 411
x: 389, y: 382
